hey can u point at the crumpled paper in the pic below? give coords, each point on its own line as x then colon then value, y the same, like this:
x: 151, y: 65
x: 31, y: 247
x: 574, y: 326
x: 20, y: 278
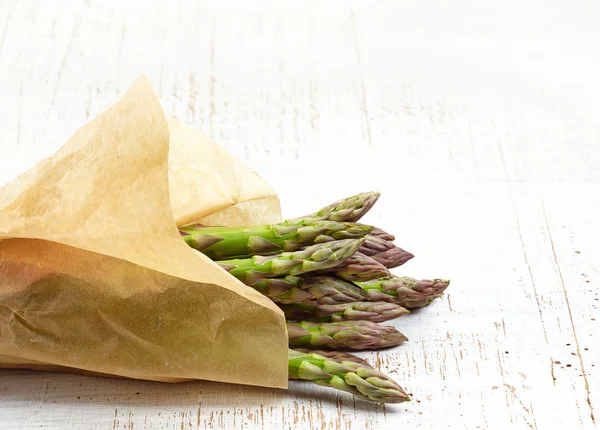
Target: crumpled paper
x: 94, y: 275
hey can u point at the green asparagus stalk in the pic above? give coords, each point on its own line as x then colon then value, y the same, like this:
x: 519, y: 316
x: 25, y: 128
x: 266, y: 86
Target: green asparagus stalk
x: 362, y: 381
x: 334, y: 355
x: 350, y: 209
x: 220, y: 243
x: 407, y: 292
x: 315, y: 257
x: 319, y: 312
x: 343, y: 335
x: 359, y: 267
x: 330, y: 290
x: 326, y: 289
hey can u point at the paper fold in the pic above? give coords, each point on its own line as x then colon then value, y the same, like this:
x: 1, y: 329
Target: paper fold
x: 231, y: 193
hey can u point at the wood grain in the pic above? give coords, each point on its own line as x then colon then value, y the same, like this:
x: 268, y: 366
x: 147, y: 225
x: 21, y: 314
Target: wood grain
x: 478, y: 121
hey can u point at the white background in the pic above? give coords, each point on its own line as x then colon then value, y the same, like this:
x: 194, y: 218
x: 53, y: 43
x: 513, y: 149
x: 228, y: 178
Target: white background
x: 478, y: 121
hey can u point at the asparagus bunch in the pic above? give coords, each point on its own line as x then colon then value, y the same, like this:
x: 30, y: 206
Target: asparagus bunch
x: 330, y: 276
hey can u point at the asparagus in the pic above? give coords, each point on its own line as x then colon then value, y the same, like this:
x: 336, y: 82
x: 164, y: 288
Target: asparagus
x: 330, y: 290
x: 229, y: 242
x: 315, y: 257
x: 362, y: 381
x: 383, y: 234
x: 384, y: 251
x: 334, y: 355
x: 320, y: 312
x: 375, y: 244
x: 407, y: 292
x: 350, y: 209
x: 326, y: 289
x: 343, y: 335
x: 359, y: 267
x: 220, y: 243
x: 393, y: 257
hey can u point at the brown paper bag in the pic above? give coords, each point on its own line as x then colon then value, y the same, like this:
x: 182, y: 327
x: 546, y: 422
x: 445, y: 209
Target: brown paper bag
x: 231, y: 193
x: 94, y: 276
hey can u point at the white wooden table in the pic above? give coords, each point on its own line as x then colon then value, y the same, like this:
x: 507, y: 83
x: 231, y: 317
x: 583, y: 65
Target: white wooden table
x: 478, y: 121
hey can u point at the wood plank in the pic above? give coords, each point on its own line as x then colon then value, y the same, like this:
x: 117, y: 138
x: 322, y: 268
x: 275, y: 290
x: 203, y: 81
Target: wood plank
x: 477, y: 121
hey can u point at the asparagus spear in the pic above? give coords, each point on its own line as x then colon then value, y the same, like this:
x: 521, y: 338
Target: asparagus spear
x: 393, y: 257
x: 315, y: 257
x: 225, y: 242
x: 350, y: 209
x: 407, y: 292
x: 330, y: 290
x: 344, y: 335
x: 362, y: 381
x: 326, y: 289
x: 359, y: 267
x: 384, y: 251
x: 375, y: 244
x: 383, y: 234
x: 319, y: 312
x: 334, y: 355
x: 220, y: 243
